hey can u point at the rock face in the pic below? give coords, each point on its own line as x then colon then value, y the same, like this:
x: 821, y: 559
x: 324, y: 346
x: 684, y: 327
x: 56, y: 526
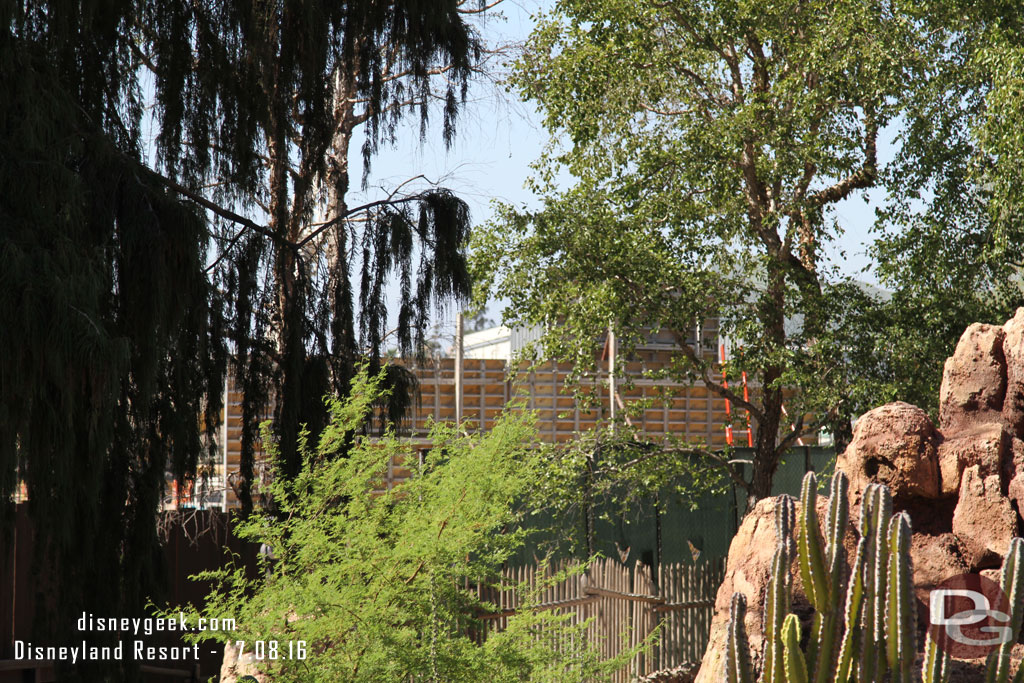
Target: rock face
x: 1013, y: 353
x: 234, y: 667
x: 896, y: 445
x: 984, y: 520
x: 974, y: 379
x: 748, y: 570
x: 962, y: 483
x: 984, y: 445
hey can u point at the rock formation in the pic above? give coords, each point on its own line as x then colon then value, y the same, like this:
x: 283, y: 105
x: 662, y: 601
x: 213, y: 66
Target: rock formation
x: 961, y: 482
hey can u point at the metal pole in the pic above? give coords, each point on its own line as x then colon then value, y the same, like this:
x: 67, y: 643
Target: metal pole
x: 458, y: 367
x: 224, y: 438
x: 611, y: 372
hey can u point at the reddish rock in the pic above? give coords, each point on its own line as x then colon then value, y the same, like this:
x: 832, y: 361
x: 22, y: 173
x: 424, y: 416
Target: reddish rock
x: 895, y: 445
x: 935, y: 559
x: 748, y: 571
x: 974, y: 379
x: 1013, y: 474
x: 234, y: 667
x: 1015, y: 492
x: 984, y: 520
x: 1013, y: 352
x: 986, y: 445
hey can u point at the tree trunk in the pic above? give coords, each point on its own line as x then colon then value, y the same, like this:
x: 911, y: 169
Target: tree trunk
x: 290, y: 309
x: 766, y: 453
x: 766, y: 456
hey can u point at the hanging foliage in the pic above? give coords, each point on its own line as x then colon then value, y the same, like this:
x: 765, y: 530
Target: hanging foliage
x: 126, y: 286
x: 266, y: 99
x: 111, y: 340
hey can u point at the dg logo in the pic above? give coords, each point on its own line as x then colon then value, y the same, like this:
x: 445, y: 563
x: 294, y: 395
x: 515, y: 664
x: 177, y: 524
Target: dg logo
x: 969, y: 616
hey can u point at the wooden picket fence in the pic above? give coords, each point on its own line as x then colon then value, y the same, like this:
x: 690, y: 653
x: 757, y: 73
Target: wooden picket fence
x: 624, y: 605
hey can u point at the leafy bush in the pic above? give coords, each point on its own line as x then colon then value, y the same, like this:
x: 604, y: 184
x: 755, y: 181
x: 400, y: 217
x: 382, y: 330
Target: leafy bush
x: 378, y: 585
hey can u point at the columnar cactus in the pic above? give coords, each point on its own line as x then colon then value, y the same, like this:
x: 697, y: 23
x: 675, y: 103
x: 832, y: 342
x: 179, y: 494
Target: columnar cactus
x: 900, y: 612
x: 796, y: 667
x: 821, y: 571
x: 777, y: 601
x: 737, y: 652
x: 1012, y: 583
x: 875, y: 514
x: 868, y: 636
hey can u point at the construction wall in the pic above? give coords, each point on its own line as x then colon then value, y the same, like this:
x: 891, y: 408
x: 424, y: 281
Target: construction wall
x: 683, y: 411
x: 656, y: 406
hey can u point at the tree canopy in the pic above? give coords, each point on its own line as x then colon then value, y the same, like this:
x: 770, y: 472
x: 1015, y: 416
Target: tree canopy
x: 709, y: 146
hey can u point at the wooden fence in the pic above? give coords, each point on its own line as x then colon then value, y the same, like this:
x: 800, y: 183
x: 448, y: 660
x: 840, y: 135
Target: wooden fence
x: 624, y: 605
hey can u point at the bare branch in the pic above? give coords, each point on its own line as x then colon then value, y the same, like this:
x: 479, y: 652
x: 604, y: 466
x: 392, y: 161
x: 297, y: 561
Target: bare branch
x: 363, y: 207
x: 479, y: 9
x: 219, y: 210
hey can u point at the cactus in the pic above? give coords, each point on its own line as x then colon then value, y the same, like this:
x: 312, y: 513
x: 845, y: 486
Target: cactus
x: 796, y: 668
x: 875, y: 514
x: 934, y: 667
x: 737, y: 653
x: 866, y: 630
x: 900, y: 616
x: 777, y: 599
x: 812, y: 556
x: 1012, y: 583
x: 822, y: 571
x: 849, y: 651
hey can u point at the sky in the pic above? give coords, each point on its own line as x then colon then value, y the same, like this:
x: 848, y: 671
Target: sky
x: 499, y: 136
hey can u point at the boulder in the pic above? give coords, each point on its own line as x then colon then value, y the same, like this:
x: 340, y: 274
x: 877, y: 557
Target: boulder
x: 984, y: 521
x: 974, y: 379
x: 895, y: 445
x: 935, y: 559
x: 234, y: 667
x: 748, y: 570
x: 1013, y: 352
x: 986, y: 445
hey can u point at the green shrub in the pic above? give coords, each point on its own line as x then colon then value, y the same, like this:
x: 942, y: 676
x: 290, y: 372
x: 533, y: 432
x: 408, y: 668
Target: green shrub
x: 378, y: 585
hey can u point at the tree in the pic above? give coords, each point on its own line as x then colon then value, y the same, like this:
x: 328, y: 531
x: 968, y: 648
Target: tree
x: 373, y: 586
x: 709, y: 146
x: 126, y: 284
x: 264, y: 102
x: 949, y: 237
x: 111, y: 346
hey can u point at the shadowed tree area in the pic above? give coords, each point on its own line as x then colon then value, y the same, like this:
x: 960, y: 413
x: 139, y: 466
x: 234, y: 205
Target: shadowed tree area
x: 127, y: 288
